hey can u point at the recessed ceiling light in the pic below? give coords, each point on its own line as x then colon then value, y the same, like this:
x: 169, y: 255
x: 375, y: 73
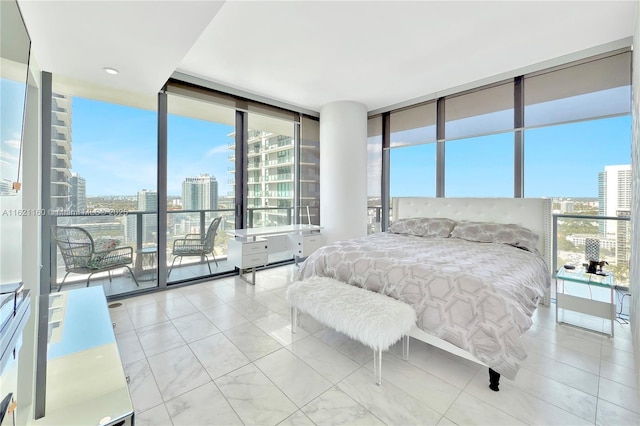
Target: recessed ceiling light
x: 110, y: 70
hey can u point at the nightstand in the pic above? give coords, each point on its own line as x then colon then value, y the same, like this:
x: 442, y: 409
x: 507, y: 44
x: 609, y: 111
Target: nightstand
x: 585, y: 305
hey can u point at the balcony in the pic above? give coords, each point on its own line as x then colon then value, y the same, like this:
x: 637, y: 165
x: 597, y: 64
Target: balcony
x: 62, y: 143
x: 138, y: 230
x: 279, y: 194
x: 284, y: 177
x: 60, y: 160
x: 62, y: 129
x: 278, y: 162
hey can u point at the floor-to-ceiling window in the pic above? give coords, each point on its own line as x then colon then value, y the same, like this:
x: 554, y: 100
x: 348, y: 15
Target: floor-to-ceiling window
x: 200, y: 187
x: 478, y: 151
x: 309, y: 212
x: 577, y: 150
x: 270, y: 171
x: 374, y: 174
x: 412, y: 152
x: 14, y: 68
x: 103, y: 178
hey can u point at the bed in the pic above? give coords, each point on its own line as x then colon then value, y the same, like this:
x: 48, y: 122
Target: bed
x: 474, y: 299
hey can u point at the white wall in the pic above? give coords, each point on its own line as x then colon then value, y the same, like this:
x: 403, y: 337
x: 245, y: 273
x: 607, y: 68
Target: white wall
x: 634, y: 278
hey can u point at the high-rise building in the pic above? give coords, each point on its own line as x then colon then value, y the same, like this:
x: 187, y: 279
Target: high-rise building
x: 78, y: 198
x: 270, y: 160
x: 200, y: 193
x: 60, y: 151
x: 147, y: 202
x: 270, y: 178
x: 623, y: 236
x: 614, y: 194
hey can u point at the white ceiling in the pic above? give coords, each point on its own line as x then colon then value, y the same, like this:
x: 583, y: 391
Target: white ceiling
x: 308, y: 53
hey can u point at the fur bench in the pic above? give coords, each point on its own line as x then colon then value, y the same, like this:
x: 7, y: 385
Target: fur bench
x: 375, y: 320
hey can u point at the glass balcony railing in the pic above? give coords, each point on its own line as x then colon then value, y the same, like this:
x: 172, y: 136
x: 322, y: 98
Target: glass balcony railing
x: 374, y: 219
x: 139, y: 230
x: 579, y: 238
x: 282, y: 176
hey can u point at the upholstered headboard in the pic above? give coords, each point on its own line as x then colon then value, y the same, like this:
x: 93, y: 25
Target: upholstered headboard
x: 532, y: 213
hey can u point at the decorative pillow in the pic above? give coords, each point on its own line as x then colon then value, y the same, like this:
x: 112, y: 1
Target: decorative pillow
x: 489, y: 232
x: 105, y: 244
x: 433, y: 227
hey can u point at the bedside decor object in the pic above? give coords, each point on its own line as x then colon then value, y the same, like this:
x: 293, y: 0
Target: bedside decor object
x: 591, y: 249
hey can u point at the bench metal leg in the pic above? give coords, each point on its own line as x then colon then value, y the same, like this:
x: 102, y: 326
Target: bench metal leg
x: 405, y: 347
x: 377, y: 366
x: 294, y: 319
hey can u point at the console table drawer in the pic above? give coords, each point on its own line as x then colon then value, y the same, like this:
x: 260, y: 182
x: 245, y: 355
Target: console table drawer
x: 255, y: 259
x: 304, y: 245
x: 246, y: 254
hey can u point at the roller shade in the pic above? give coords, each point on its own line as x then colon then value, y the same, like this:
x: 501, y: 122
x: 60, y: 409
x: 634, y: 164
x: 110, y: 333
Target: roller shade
x: 590, y: 89
x: 374, y: 126
x: 223, y: 99
x: 481, y: 112
x: 413, y: 126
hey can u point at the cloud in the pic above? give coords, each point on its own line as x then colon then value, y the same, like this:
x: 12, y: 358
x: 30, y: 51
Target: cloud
x: 221, y: 149
x: 6, y: 157
x: 13, y: 143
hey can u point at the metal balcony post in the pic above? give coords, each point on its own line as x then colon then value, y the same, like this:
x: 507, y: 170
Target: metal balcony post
x: 138, y: 232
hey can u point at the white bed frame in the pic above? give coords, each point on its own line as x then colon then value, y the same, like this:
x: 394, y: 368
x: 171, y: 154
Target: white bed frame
x: 532, y: 213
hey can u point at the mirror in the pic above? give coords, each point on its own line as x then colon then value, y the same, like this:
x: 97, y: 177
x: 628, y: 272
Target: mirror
x: 15, y: 49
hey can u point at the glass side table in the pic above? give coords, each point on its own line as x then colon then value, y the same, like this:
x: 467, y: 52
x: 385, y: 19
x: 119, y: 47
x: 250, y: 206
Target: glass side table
x: 146, y: 268
x: 602, y: 309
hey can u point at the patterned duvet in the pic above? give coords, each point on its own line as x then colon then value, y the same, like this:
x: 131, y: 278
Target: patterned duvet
x: 477, y: 296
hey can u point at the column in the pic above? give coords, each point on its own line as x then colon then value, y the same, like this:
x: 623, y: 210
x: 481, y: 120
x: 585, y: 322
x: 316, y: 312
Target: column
x: 343, y: 170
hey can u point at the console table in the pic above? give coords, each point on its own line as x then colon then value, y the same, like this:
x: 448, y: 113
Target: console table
x: 250, y: 248
x: 86, y: 384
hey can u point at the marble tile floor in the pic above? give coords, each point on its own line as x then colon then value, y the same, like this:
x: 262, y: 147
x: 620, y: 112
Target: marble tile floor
x: 221, y: 353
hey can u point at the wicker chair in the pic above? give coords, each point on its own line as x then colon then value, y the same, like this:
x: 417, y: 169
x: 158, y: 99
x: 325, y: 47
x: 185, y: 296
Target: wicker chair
x: 196, y: 245
x: 81, y: 255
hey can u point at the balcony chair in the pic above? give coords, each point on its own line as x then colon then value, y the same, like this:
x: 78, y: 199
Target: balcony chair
x: 82, y: 255
x: 196, y: 245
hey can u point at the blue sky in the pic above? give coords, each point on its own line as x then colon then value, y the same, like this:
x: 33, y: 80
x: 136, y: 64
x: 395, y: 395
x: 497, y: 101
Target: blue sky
x: 10, y: 126
x: 114, y: 149
x: 560, y: 161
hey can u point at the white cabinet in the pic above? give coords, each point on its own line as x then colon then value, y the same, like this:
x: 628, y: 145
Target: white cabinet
x: 302, y: 245
x: 248, y: 254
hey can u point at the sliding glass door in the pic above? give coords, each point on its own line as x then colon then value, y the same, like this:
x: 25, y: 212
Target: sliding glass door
x: 103, y: 198
x: 200, y: 187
